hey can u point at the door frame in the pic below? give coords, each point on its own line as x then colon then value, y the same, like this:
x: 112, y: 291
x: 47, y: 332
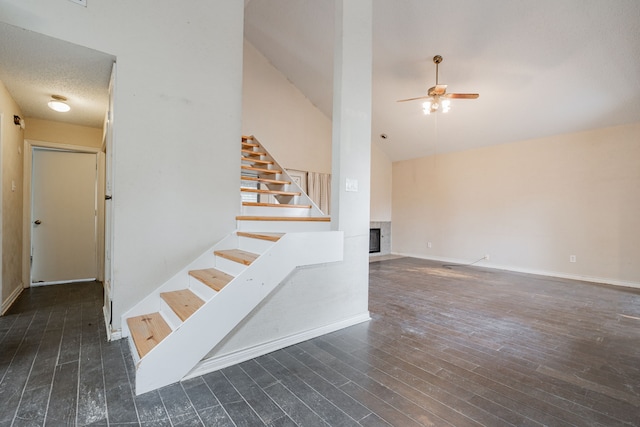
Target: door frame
x: 29, y: 146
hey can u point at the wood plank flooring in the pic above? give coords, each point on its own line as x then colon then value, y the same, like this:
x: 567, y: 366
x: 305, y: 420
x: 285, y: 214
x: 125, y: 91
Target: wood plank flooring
x: 462, y: 346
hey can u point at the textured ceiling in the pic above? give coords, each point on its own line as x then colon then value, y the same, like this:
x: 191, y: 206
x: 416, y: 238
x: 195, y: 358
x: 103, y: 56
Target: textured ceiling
x: 541, y: 67
x: 33, y: 67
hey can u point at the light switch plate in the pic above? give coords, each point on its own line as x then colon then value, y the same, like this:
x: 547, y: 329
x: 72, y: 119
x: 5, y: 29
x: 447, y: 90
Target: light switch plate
x: 352, y: 184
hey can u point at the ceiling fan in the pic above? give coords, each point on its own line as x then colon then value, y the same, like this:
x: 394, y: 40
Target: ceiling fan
x: 437, y: 96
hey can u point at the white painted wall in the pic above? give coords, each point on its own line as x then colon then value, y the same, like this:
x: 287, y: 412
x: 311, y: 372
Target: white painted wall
x: 529, y: 204
x: 178, y: 115
x: 11, y: 138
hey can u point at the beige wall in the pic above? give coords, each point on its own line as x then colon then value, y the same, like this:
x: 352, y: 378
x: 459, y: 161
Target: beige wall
x: 530, y: 205
x: 292, y: 129
x: 62, y: 133
x: 11, y: 157
x: 381, y: 179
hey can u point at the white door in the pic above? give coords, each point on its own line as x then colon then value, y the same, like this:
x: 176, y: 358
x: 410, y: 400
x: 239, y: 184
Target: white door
x: 63, y: 212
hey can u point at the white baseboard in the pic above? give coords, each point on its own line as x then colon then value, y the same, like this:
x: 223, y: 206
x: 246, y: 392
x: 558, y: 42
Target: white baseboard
x: 600, y: 280
x: 11, y: 299
x: 60, y: 282
x: 219, y: 362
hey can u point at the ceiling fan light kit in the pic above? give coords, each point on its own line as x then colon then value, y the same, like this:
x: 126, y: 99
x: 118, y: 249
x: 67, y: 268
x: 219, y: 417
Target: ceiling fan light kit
x: 437, y: 98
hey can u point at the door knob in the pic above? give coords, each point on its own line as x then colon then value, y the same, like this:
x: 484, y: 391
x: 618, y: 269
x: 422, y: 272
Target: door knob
x: 37, y: 222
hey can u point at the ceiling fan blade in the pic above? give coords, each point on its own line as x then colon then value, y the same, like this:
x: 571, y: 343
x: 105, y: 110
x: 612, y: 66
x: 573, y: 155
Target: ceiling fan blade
x: 437, y: 90
x: 413, y: 99
x: 461, y: 95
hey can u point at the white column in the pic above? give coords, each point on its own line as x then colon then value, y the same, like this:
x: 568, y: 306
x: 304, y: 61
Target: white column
x: 351, y: 147
x: 351, y: 144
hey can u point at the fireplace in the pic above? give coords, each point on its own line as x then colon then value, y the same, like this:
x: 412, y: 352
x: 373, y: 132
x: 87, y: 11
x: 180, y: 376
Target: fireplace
x: 374, y: 240
x: 379, y: 238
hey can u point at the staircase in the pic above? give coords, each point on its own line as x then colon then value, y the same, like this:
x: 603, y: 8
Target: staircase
x: 279, y: 229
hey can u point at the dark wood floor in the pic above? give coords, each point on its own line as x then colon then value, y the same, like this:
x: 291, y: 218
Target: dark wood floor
x: 461, y: 346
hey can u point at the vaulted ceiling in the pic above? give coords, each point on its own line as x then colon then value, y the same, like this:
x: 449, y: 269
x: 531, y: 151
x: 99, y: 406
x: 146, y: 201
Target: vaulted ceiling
x: 541, y: 67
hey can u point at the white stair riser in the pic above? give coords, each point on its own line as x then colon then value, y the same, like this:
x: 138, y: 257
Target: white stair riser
x: 272, y: 211
x: 251, y: 244
x: 169, y: 315
x: 288, y: 200
x: 200, y: 289
x: 283, y: 226
x: 230, y: 267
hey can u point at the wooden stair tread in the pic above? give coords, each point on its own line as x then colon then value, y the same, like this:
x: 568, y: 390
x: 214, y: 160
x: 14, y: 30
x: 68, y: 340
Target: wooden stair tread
x: 264, y: 180
x: 252, y: 153
x: 275, y: 205
x: 183, y: 302
x: 215, y: 279
x: 147, y: 331
x: 249, y: 144
x: 237, y: 255
x: 256, y: 161
x: 276, y: 192
x: 272, y: 237
x: 283, y: 218
x: 261, y: 170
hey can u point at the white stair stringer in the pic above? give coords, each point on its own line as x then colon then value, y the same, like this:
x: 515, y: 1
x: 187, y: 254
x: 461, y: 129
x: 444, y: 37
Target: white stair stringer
x: 188, y: 343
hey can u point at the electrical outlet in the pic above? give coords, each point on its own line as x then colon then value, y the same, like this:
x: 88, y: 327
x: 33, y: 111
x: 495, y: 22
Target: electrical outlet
x: 429, y: 245
x: 487, y: 257
x: 572, y: 258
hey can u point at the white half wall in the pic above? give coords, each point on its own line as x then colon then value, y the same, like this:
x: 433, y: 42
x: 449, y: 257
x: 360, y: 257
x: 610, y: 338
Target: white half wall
x: 530, y: 205
x: 177, y: 125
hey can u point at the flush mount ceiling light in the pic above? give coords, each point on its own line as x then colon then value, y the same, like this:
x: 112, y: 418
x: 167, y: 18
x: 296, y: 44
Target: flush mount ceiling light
x: 58, y: 104
x: 437, y: 98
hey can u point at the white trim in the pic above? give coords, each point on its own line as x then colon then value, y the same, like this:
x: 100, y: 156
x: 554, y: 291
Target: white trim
x: 6, y: 305
x: 112, y: 334
x: 591, y: 279
x: 219, y: 362
x: 60, y: 282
